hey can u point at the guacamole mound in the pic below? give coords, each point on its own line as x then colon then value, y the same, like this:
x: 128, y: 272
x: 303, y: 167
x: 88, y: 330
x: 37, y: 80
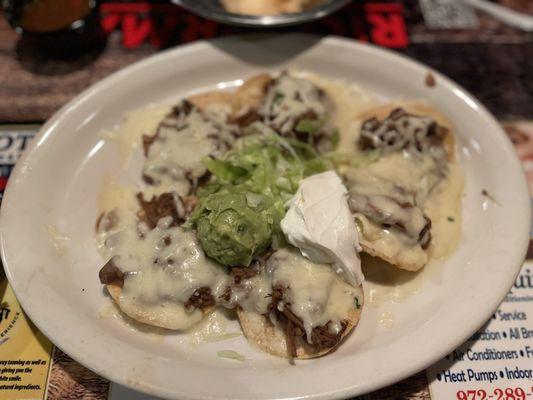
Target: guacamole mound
x: 238, y: 213
x: 232, y: 231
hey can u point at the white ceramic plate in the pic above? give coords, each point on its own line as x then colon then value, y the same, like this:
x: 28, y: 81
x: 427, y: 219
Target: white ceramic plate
x: 57, y: 181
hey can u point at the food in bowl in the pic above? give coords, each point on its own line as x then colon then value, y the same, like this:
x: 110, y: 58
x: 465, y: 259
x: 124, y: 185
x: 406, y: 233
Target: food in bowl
x: 268, y: 7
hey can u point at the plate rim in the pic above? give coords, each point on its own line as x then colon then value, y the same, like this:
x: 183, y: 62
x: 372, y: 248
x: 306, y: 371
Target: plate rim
x: 353, y: 389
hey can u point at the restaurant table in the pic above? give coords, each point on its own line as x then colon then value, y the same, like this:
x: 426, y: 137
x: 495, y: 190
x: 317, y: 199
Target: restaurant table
x: 489, y: 58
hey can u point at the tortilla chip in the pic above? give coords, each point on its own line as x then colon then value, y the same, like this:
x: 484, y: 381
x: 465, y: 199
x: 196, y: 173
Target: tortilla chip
x: 115, y: 292
x: 270, y: 338
x: 248, y: 96
x: 416, y: 108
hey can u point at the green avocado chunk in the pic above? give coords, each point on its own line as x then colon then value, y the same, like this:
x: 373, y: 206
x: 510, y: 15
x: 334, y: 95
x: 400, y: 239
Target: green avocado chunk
x: 232, y: 231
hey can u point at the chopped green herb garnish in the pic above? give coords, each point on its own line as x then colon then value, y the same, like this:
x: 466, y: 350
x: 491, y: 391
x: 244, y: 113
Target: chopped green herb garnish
x: 310, y: 126
x: 335, y: 138
x: 231, y: 355
x: 278, y: 97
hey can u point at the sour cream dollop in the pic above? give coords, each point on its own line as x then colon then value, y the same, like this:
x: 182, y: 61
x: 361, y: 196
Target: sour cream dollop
x: 320, y: 224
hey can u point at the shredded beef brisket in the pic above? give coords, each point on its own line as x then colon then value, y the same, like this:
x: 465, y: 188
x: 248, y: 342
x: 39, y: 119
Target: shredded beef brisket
x: 196, y: 182
x: 247, y: 118
x: 200, y: 299
x: 110, y: 274
x: 185, y: 107
x: 164, y: 205
x: 147, y: 142
x: 241, y: 273
x: 321, y: 337
x: 425, y: 234
x: 226, y: 295
x: 401, y: 131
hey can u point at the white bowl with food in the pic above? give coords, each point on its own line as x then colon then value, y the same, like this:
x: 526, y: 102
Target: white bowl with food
x: 276, y: 216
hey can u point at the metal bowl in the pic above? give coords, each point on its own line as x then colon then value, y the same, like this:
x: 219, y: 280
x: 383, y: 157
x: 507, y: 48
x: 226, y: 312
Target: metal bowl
x: 212, y: 9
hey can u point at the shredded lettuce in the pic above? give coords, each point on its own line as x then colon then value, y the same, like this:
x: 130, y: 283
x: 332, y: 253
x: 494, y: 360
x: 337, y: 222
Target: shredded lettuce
x: 310, y: 126
x: 259, y: 160
x: 224, y: 170
x: 231, y: 354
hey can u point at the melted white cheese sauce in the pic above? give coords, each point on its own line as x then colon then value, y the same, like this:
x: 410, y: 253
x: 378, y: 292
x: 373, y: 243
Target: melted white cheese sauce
x: 414, y: 175
x: 212, y: 329
x: 155, y: 290
x: 420, y: 186
x: 183, y: 140
x: 160, y: 278
x: 287, y: 99
x: 349, y: 101
x: 444, y: 209
x: 386, y: 285
x: 315, y: 292
x: 135, y: 124
x: 118, y: 197
x: 253, y: 294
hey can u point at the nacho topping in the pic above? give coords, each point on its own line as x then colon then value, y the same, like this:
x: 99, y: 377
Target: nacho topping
x: 392, y: 214
x: 320, y: 224
x: 110, y: 274
x: 402, y: 131
x: 165, y: 205
x: 166, y: 275
x: 174, y: 155
x: 250, y: 290
x: 201, y: 298
x: 391, y: 192
x: 296, y: 108
x: 315, y: 293
x: 305, y: 299
x: 293, y: 326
